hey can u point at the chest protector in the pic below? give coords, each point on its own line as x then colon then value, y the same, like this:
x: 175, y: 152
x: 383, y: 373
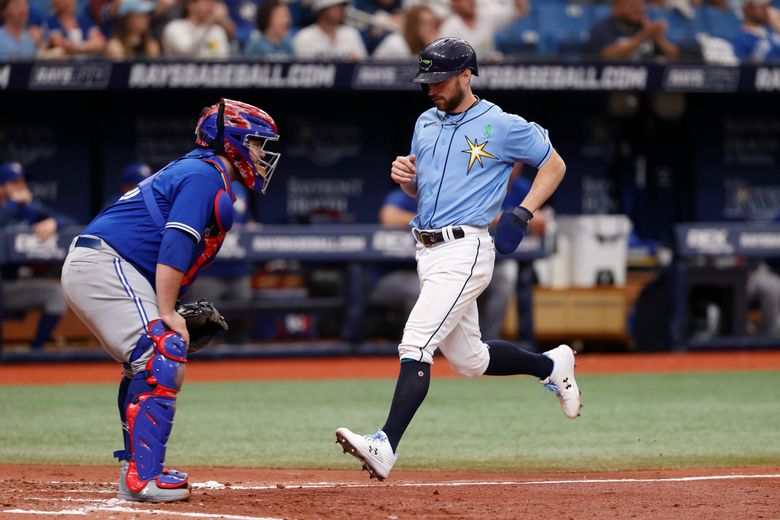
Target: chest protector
x: 219, y: 224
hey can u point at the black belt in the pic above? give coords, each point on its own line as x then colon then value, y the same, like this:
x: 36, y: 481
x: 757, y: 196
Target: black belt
x: 90, y: 242
x: 431, y: 238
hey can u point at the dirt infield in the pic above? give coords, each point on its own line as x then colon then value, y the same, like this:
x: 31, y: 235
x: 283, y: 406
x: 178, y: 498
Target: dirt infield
x: 56, y: 491
x: 381, y: 367
x: 252, y: 494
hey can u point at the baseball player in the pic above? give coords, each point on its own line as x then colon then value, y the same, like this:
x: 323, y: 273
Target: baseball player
x: 461, y: 156
x: 124, y: 273
x: 18, y: 207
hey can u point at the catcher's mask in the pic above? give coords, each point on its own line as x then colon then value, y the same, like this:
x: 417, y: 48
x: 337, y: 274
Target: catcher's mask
x: 242, y: 132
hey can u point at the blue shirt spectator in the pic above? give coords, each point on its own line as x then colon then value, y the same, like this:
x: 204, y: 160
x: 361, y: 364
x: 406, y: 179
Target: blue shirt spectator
x: 72, y: 33
x: 17, y: 205
x: 244, y: 15
x: 757, y: 43
x: 272, y: 38
x: 629, y: 34
x: 21, y: 293
x: 17, y: 40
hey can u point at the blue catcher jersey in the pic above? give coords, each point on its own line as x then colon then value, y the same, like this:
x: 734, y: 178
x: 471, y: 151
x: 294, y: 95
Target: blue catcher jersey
x: 464, y: 161
x: 189, y: 194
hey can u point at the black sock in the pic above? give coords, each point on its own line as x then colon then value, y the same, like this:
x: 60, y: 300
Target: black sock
x: 46, y: 325
x: 507, y: 359
x: 410, y: 391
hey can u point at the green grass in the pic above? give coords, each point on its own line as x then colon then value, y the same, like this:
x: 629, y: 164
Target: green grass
x: 629, y: 422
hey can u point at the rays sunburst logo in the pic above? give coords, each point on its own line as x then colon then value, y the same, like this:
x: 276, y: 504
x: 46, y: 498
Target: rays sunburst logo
x: 476, y: 152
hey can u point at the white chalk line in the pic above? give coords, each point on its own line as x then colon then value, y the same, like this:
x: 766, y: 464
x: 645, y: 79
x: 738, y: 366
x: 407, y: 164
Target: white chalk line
x: 212, y: 484
x: 114, y: 506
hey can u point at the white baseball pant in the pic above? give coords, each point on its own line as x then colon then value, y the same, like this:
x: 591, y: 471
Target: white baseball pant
x: 452, y: 275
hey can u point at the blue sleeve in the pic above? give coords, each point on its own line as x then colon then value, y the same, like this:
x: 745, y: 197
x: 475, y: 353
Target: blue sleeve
x: 87, y: 25
x: 176, y: 249
x: 53, y: 25
x: 527, y: 143
x: 743, y: 46
x: 193, y: 204
x: 517, y: 192
x: 400, y: 199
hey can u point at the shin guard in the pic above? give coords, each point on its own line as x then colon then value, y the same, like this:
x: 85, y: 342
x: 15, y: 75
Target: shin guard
x: 151, y: 405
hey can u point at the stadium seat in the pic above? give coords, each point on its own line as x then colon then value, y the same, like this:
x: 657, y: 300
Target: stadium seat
x: 721, y: 23
x: 562, y: 27
x: 597, y: 12
x: 520, y: 37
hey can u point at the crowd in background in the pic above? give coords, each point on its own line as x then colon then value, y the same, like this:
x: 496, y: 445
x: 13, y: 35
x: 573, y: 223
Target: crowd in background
x: 722, y: 31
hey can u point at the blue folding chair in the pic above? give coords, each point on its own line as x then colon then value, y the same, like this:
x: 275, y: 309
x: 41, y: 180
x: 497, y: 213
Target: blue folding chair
x: 562, y: 27
x: 520, y: 37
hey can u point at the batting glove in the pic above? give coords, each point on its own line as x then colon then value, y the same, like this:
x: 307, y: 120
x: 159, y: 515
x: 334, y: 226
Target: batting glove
x: 511, y: 228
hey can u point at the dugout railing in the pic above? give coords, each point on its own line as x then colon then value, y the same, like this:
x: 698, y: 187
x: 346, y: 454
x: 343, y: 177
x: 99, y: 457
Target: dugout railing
x: 713, y: 254
x: 350, y: 247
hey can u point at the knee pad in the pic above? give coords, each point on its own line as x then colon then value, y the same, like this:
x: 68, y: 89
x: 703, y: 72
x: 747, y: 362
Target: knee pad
x: 151, y: 405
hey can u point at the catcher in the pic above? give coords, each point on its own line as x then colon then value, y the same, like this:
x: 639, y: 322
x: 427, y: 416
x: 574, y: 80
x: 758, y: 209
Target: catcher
x: 124, y: 274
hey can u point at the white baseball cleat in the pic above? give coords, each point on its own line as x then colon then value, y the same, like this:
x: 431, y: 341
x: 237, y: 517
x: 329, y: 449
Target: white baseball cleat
x: 562, y: 382
x: 374, y: 450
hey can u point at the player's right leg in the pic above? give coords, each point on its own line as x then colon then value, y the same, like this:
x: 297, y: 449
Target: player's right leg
x: 453, y: 275
x: 119, y: 306
x: 147, y: 404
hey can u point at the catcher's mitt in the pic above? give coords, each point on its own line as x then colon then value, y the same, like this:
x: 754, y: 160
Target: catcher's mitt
x: 203, y: 322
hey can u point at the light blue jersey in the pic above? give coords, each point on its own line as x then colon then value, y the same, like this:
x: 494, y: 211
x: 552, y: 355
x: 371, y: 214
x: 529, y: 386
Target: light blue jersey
x: 464, y: 161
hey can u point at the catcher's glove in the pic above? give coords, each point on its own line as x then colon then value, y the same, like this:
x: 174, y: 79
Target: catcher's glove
x: 203, y: 322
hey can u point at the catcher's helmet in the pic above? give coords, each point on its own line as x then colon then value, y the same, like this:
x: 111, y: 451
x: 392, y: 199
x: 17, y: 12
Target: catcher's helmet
x: 443, y: 58
x: 228, y: 127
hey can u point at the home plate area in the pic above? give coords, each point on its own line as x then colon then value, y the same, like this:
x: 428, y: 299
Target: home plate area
x: 253, y: 494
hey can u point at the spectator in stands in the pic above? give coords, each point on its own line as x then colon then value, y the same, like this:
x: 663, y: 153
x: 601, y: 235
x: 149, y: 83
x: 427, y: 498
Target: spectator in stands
x: 73, y: 34
x: 243, y: 13
x: 758, y: 42
x: 106, y: 14
x: 419, y: 29
x: 17, y: 39
x: 627, y: 34
x: 328, y: 37
x: 132, y: 37
x: 479, y: 26
x: 272, y: 38
x: 20, y: 291
x: 201, y: 34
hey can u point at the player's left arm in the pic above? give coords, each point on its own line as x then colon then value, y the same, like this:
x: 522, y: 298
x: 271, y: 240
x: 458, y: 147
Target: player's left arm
x: 547, y: 180
x: 528, y: 143
x: 191, y: 209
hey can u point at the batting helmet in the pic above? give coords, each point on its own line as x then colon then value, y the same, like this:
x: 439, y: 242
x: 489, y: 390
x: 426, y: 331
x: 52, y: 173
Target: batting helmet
x: 443, y: 58
x: 229, y: 127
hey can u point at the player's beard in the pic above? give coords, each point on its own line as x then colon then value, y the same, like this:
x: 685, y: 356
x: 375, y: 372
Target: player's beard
x: 449, y: 105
